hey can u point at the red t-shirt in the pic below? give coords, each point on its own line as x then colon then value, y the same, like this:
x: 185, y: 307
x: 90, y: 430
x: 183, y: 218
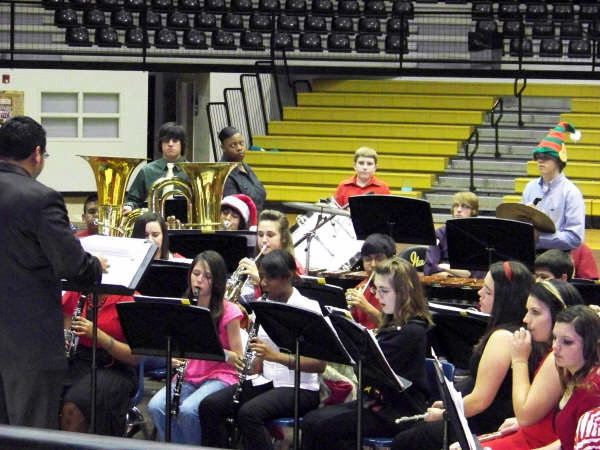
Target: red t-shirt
x: 584, y: 262
x: 359, y: 315
x: 108, y: 319
x: 349, y: 188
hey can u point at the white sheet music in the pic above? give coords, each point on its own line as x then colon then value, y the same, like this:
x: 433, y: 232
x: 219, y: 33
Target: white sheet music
x: 124, y: 256
x: 457, y: 399
x: 459, y: 311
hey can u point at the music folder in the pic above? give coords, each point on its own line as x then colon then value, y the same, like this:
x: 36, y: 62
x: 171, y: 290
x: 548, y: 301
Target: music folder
x: 165, y: 278
x: 326, y: 294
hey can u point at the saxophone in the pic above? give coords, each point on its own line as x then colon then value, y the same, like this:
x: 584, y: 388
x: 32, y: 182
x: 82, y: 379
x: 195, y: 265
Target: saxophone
x: 72, y: 339
x: 236, y: 281
x: 180, y: 371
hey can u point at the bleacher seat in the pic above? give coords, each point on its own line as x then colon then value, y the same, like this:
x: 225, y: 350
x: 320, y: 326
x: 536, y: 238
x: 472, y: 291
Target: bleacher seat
x: 215, y: 6
x: 134, y: 5
x: 282, y: 41
x: 150, y: 20
x: 310, y: 42
x: 589, y: 13
x: 190, y: 6
x: 94, y: 18
x: 205, y: 21
x: 482, y: 10
x: 296, y: 7
x: 121, y: 20
x: 232, y: 22
x: 571, y: 30
x: 594, y: 30
x: 508, y: 11
x: 551, y: 48
x: 194, y: 39
x: 251, y: 40
x: 542, y: 30
x: 53, y: 4
x: 108, y: 5
x: 374, y: 8
x: 107, y: 37
x: 536, y: 12
x: 80, y: 4
x: 397, y: 25
x: 65, y: 18
x: 338, y: 42
x: 395, y: 44
x: 315, y: 23
x: 403, y: 8
x: 366, y: 43
x: 241, y: 6
x: 268, y: 6
x: 322, y: 7
x: 165, y: 38
x: 522, y: 47
x: 136, y: 38
x: 223, y: 40
x: 290, y: 24
x: 260, y: 22
x: 78, y: 37
x: 342, y: 24
x: 369, y: 25
x: 162, y: 5
x: 349, y: 8
x: 563, y: 13
x: 579, y: 48
x: 512, y: 29
x: 177, y: 20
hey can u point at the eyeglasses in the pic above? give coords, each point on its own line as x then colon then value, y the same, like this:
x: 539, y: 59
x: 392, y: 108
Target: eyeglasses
x: 46, y: 155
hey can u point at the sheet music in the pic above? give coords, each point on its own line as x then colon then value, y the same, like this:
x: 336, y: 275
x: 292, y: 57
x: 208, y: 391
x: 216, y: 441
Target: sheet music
x: 458, y: 311
x: 125, y: 256
x: 457, y: 399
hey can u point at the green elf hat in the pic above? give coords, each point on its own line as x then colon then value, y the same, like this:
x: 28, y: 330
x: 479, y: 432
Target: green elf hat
x: 553, y: 144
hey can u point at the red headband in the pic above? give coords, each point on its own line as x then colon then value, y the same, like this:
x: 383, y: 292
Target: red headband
x: 507, y: 270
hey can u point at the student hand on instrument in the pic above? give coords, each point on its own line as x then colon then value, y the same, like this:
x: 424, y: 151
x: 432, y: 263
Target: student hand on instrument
x: 521, y: 345
x: 510, y: 425
x: 81, y: 326
x: 126, y: 209
x: 438, y: 404
x: 176, y: 362
x: 356, y: 300
x: 235, y: 360
x: 248, y: 267
x: 104, y: 263
x: 434, y: 414
x: 262, y: 350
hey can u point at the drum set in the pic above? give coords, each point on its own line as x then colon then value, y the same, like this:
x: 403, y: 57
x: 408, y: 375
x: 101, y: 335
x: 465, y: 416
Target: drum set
x: 325, y: 236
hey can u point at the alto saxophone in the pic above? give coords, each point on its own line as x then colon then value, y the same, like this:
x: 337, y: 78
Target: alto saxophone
x: 236, y: 281
x: 180, y: 372
x: 72, y: 339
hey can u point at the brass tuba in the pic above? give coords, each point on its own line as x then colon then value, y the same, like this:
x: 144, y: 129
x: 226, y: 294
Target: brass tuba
x: 112, y: 176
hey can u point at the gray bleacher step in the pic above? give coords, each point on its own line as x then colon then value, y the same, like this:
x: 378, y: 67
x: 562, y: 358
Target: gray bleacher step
x: 492, y: 182
x: 529, y: 134
x: 510, y: 118
x: 556, y: 104
x: 443, y: 200
x: 512, y: 150
x: 491, y: 165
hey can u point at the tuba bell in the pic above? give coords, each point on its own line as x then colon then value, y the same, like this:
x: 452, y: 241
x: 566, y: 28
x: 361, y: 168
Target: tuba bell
x: 112, y: 176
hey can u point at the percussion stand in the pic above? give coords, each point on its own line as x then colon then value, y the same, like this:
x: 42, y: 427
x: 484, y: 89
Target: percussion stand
x: 312, y: 234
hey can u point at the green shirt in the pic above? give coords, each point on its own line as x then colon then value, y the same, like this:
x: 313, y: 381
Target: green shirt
x: 138, y: 192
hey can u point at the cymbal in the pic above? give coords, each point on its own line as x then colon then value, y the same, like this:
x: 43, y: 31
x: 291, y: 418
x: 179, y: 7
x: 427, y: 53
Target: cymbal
x: 526, y: 213
x: 320, y: 208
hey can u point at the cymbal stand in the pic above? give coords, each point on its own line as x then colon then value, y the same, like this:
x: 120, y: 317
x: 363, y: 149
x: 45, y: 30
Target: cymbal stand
x: 312, y: 234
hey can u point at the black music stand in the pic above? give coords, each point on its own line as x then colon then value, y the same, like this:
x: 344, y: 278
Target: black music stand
x: 372, y: 367
x: 405, y: 219
x: 306, y: 332
x: 325, y: 294
x: 171, y: 329
x: 232, y: 247
x: 474, y: 243
x: 452, y: 415
x: 456, y: 332
x: 164, y: 279
x: 128, y: 260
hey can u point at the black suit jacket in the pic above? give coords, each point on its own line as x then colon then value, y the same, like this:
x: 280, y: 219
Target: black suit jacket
x: 37, y: 249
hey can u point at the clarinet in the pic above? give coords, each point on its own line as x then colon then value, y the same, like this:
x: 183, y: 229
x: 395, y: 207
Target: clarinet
x: 249, y: 356
x: 180, y: 371
x: 72, y: 339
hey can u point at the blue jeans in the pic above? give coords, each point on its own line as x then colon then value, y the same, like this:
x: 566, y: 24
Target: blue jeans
x: 185, y: 428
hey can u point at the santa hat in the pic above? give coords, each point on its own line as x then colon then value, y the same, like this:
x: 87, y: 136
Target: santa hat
x: 243, y: 205
x: 553, y: 144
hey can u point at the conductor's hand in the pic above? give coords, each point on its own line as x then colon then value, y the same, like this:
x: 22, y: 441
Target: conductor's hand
x: 262, y: 350
x: 235, y: 360
x: 104, y: 263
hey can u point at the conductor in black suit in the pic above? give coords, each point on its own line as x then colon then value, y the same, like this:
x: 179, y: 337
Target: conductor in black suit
x: 37, y: 249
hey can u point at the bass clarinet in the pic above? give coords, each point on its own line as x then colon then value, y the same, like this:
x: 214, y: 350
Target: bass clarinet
x: 72, y: 339
x: 180, y: 372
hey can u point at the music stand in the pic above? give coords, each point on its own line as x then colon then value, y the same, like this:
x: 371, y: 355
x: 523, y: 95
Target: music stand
x: 453, y: 413
x: 474, y: 243
x: 405, y: 219
x: 325, y: 294
x: 372, y: 367
x: 307, y: 332
x: 164, y: 279
x: 171, y: 329
x: 128, y: 259
x: 230, y: 246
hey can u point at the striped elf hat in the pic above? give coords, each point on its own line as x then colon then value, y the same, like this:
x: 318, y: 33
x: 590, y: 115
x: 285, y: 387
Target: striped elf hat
x: 553, y: 144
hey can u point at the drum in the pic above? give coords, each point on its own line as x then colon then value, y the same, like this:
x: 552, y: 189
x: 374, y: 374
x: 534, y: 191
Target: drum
x: 333, y: 243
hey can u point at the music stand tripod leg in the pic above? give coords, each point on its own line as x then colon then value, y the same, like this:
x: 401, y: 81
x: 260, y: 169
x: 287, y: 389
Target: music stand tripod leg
x: 168, y: 390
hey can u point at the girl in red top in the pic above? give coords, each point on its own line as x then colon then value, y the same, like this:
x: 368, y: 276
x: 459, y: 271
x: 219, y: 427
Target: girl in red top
x: 116, y: 374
